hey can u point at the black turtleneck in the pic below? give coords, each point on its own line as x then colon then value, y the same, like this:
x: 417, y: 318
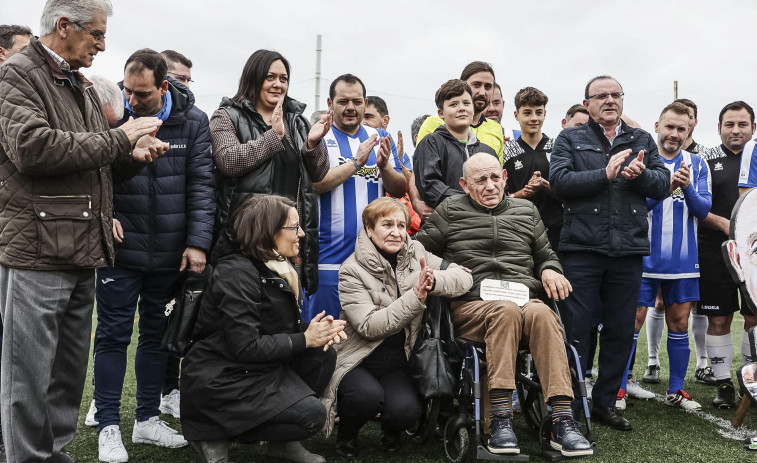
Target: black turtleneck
x: 390, y: 257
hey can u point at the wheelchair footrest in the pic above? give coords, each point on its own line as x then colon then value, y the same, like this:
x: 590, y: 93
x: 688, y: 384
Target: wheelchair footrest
x: 482, y: 453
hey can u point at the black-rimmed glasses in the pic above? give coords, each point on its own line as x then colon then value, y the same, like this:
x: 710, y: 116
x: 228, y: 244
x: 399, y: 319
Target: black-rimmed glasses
x: 296, y: 227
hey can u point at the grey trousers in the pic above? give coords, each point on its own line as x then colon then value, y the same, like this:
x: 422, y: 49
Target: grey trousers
x: 47, y: 325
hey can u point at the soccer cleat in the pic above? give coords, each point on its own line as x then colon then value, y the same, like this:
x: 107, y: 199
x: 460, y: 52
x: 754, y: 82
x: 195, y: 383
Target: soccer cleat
x: 682, y: 400
x: 705, y: 376
x: 620, y: 402
x: 651, y: 375
x: 169, y: 403
x: 567, y: 438
x: 110, y: 447
x: 90, y: 420
x: 502, y: 439
x: 637, y: 392
x: 724, y: 397
x: 589, y: 380
x: 156, y: 432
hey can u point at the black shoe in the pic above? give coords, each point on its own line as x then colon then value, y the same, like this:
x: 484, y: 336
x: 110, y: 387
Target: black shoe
x: 390, y: 442
x: 725, y: 395
x: 609, y: 416
x: 502, y: 439
x: 347, y: 448
x: 651, y: 375
x: 705, y: 376
x: 567, y: 438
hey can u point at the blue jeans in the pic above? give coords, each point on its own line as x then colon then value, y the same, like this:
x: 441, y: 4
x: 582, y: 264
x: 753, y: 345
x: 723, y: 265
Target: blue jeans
x: 118, y: 290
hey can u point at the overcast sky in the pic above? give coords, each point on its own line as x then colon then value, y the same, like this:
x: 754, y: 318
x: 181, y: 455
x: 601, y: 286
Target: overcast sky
x: 404, y: 50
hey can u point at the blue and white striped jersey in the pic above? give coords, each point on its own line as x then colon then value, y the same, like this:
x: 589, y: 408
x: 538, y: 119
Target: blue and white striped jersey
x: 673, y: 222
x: 748, y: 170
x: 341, y: 209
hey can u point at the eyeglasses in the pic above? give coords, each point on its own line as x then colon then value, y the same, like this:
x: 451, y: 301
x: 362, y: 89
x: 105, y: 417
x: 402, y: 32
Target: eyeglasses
x: 181, y: 77
x: 295, y: 227
x: 604, y: 96
x: 97, y: 35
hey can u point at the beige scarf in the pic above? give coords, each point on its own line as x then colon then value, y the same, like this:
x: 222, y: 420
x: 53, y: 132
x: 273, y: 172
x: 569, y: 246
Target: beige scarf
x: 286, y: 271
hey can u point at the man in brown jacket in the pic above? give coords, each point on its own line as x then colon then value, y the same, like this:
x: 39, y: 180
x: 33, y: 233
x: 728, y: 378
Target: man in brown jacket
x: 55, y: 222
x: 502, y: 240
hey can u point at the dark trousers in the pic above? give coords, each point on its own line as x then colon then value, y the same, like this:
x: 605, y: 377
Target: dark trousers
x: 171, y: 375
x: 118, y: 290
x: 362, y: 394
x: 607, y: 289
x: 306, y: 417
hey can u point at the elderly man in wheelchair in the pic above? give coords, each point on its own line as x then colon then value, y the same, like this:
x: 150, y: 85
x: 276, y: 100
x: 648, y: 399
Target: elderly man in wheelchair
x: 502, y: 240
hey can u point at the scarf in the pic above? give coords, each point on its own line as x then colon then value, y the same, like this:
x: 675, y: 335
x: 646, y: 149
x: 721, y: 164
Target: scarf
x: 162, y: 115
x: 286, y: 271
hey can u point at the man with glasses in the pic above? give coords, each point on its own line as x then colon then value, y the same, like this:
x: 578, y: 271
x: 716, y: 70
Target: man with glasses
x: 179, y: 66
x: 56, y: 152
x: 603, y: 171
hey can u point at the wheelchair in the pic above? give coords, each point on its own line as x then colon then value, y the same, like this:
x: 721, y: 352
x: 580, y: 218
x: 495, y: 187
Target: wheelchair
x: 459, y: 420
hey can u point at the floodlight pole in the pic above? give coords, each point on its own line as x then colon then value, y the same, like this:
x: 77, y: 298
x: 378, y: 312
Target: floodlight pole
x: 318, y: 72
x: 675, y: 89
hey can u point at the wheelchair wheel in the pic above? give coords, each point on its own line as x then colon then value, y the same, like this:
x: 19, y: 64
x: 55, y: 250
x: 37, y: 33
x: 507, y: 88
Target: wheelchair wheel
x: 428, y: 421
x: 532, y: 405
x: 456, y: 442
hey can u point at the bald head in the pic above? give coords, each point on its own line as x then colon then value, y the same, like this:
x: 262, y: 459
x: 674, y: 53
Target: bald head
x: 484, y: 180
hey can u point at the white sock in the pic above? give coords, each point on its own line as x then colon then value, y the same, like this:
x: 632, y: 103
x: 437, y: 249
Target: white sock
x: 746, y: 353
x: 699, y: 325
x: 655, y: 324
x: 720, y: 350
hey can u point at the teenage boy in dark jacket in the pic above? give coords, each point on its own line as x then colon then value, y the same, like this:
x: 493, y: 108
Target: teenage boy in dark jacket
x: 165, y: 225
x: 439, y: 157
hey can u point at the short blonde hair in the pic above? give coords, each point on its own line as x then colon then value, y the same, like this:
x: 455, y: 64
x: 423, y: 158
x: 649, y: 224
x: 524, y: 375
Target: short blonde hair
x: 382, y: 207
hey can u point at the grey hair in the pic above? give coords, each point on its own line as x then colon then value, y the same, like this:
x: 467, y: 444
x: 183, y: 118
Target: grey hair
x: 81, y: 11
x: 109, y: 94
x: 316, y: 116
x: 8, y: 34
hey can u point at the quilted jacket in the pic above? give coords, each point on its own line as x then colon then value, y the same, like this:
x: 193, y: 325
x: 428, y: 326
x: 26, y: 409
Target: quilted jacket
x: 378, y: 301
x: 508, y: 242
x: 170, y: 204
x: 56, y: 200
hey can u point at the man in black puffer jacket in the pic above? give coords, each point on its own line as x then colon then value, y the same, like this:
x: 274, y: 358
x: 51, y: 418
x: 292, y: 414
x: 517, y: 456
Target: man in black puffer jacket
x: 603, y: 171
x: 165, y: 225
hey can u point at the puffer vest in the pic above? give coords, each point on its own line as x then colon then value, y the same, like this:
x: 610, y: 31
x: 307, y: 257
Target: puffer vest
x: 273, y: 177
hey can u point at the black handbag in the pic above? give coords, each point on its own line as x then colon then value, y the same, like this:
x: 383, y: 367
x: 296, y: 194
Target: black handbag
x: 430, y: 367
x: 182, y: 312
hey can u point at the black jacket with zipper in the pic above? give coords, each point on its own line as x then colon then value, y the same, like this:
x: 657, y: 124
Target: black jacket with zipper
x: 438, y: 164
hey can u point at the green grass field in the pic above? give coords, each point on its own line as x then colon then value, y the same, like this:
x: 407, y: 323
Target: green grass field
x: 660, y: 433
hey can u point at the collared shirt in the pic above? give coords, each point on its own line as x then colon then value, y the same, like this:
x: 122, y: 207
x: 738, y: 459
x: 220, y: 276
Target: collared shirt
x: 617, y: 132
x: 64, y: 66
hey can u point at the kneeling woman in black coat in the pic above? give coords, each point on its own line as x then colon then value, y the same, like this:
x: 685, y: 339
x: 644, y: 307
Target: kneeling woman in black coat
x: 255, y: 371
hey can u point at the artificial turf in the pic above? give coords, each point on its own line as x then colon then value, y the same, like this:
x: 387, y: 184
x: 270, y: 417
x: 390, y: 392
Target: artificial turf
x: 660, y: 433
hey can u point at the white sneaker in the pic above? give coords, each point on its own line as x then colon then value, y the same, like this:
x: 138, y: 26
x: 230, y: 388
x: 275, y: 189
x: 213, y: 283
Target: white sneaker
x: 156, y: 432
x: 589, y: 380
x: 682, y: 400
x: 169, y: 403
x: 637, y: 392
x: 89, y: 420
x: 110, y: 447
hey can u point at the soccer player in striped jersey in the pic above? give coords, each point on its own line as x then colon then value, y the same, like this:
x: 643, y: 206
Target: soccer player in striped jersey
x: 363, y: 166
x: 656, y: 317
x: 673, y: 264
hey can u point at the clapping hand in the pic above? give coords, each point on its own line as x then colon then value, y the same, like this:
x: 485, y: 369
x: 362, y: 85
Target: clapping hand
x: 320, y: 129
x: 324, y: 331
x: 635, y: 168
x: 615, y: 163
x: 425, y: 281
x: 277, y: 118
x: 364, y: 150
x: 385, y: 150
x: 681, y: 177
